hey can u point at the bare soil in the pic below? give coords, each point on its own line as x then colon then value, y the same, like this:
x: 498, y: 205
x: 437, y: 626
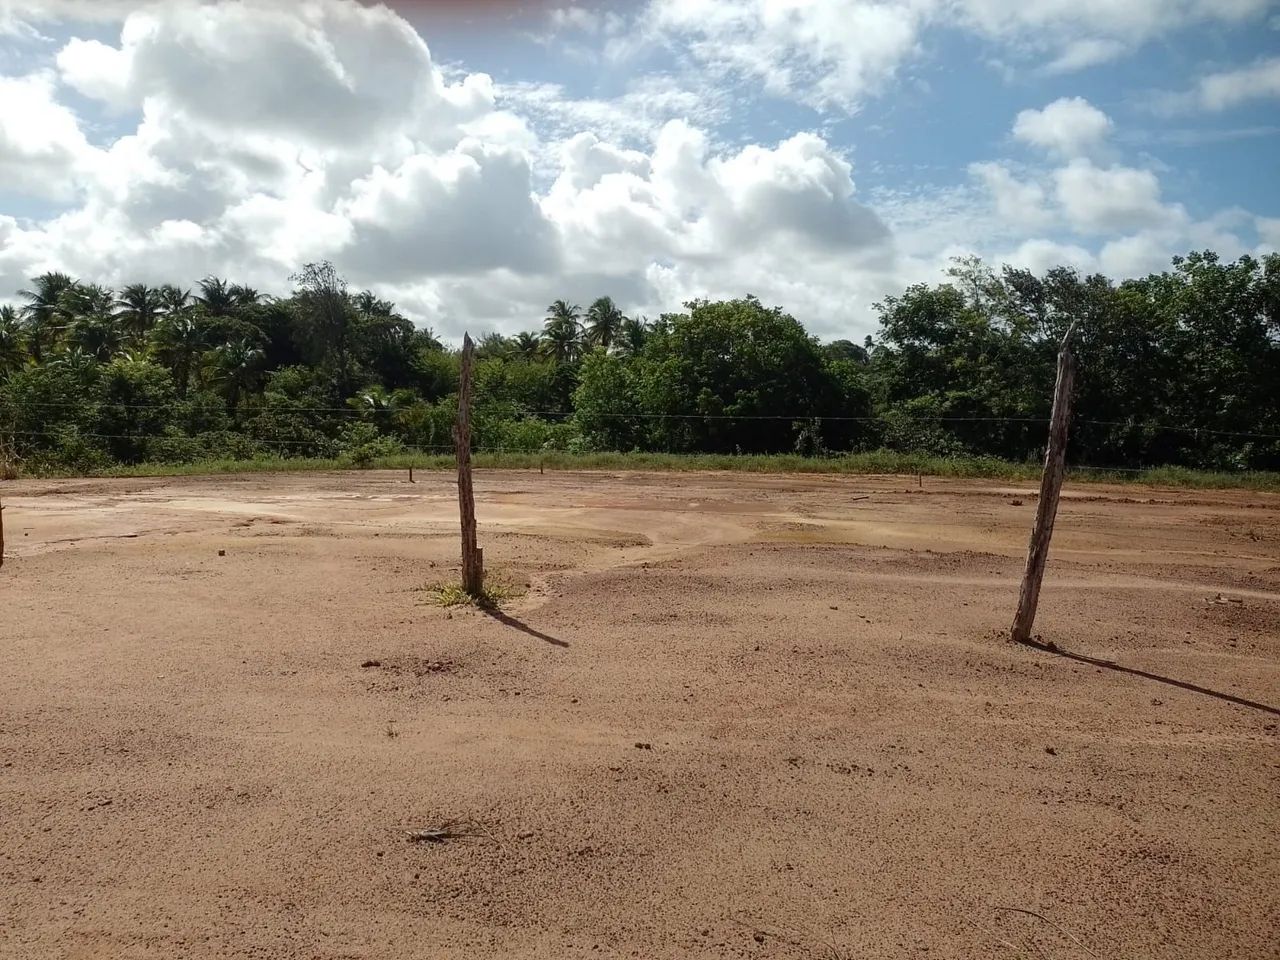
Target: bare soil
x: 730, y: 716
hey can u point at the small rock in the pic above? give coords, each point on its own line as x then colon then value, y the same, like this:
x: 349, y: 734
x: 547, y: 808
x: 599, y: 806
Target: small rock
x: 1051, y: 751
x: 372, y: 663
x: 1015, y: 503
x: 222, y: 553
x: 758, y: 937
x: 640, y: 745
x: 525, y: 835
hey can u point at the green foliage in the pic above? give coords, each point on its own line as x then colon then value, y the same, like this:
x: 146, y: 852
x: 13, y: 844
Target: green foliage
x: 1177, y: 369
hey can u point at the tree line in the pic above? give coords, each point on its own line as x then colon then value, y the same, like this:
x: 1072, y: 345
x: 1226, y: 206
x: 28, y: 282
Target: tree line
x: 1180, y: 367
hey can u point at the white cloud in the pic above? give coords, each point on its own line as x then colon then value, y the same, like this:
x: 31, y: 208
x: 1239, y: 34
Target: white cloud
x: 1069, y: 126
x: 461, y: 212
x: 1080, y: 33
x: 1111, y: 199
x: 1230, y: 88
x: 1020, y: 202
x: 821, y: 53
x: 43, y: 151
x: 1269, y: 232
x: 96, y: 70
x: 1040, y: 255
x: 1087, y: 52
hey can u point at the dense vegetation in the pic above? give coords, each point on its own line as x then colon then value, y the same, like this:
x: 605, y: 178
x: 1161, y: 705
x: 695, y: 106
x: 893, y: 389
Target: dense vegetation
x: 1181, y: 368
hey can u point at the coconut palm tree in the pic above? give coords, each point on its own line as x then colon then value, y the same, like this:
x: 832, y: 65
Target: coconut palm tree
x: 138, y: 309
x: 91, y: 313
x: 13, y: 341
x: 178, y: 340
x: 174, y: 301
x: 217, y: 297
x: 632, y: 334
x: 562, y: 332
x: 42, y: 311
x: 604, y: 320
x: 528, y: 345
x: 242, y: 296
x: 237, y: 364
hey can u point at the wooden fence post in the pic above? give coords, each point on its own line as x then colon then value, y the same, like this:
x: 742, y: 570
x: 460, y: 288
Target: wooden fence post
x: 1050, y: 489
x: 472, y: 555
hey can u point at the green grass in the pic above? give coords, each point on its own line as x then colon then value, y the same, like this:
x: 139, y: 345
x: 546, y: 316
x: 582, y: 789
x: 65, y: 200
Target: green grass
x: 871, y: 462
x: 493, y: 594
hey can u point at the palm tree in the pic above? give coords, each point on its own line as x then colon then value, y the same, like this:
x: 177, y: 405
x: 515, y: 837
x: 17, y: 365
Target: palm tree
x: 604, y: 320
x: 42, y: 312
x: 217, y: 297
x: 139, y: 306
x: 174, y: 301
x: 13, y: 341
x: 242, y: 296
x: 562, y: 331
x: 237, y: 363
x: 632, y: 334
x: 528, y: 346
x: 95, y: 329
x: 178, y: 341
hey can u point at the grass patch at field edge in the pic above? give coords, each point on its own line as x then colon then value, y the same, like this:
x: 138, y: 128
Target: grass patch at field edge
x: 870, y: 462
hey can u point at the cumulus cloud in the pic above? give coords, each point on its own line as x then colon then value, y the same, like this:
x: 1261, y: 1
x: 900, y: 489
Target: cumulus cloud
x: 1111, y: 199
x: 1020, y: 202
x: 42, y: 148
x: 1069, y: 126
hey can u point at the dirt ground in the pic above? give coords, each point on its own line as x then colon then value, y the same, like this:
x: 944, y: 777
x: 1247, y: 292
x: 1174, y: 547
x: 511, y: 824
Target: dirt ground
x: 730, y: 716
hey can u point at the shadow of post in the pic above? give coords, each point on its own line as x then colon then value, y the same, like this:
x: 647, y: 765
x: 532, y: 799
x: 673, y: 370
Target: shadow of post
x: 509, y: 621
x: 1134, y: 671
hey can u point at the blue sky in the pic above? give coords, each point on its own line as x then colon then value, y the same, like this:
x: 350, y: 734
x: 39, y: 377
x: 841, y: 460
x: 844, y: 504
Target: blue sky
x: 474, y: 161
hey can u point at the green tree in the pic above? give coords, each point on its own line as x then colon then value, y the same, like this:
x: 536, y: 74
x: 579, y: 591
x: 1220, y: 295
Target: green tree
x: 90, y: 311
x: 604, y: 322
x: 237, y: 366
x: 13, y: 341
x: 562, y: 332
x: 527, y: 345
x: 42, y: 311
x: 135, y: 403
x: 138, y: 308
x: 605, y: 403
x: 178, y: 340
x: 217, y: 297
x: 326, y: 319
x: 732, y: 375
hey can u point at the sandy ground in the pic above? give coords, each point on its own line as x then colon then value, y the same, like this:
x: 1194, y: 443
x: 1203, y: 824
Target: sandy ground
x: 731, y: 716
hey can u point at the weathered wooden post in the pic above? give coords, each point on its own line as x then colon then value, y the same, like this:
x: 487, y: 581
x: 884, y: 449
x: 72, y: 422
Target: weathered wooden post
x: 1050, y: 489
x: 472, y: 555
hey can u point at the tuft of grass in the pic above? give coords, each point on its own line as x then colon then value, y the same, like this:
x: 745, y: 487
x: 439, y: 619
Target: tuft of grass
x: 491, y: 597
